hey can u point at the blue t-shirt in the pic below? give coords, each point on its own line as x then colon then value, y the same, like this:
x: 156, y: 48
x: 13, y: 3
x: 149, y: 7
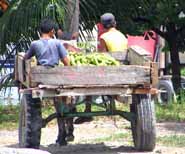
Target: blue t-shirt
x: 47, y: 51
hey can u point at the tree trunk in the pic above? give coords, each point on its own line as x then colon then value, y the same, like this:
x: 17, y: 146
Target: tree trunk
x: 174, y: 54
x: 172, y: 35
x: 72, y: 17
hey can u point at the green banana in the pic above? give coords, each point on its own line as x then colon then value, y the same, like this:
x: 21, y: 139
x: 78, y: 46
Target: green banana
x: 92, y: 59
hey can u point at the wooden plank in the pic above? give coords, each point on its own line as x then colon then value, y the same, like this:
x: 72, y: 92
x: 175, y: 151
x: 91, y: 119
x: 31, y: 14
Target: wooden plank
x: 152, y: 91
x: 20, y: 68
x: 81, y: 92
x: 16, y: 75
x: 27, y: 72
x: 90, y: 75
x: 83, y: 86
x: 154, y: 74
x: 39, y: 93
x: 120, y: 56
x: 138, y: 56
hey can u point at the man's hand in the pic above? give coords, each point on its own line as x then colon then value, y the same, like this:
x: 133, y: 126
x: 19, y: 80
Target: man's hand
x: 103, y: 46
x: 66, y: 61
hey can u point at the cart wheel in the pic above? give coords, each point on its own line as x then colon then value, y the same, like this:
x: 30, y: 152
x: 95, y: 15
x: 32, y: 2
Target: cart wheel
x: 143, y: 128
x: 168, y: 94
x: 30, y: 122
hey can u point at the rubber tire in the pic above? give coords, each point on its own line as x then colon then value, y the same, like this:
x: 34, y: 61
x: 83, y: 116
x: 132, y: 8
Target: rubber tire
x: 143, y: 127
x: 30, y: 122
x: 170, y: 93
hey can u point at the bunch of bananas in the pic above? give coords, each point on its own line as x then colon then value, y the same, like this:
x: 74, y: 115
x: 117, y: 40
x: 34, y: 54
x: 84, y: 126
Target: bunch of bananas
x: 92, y: 59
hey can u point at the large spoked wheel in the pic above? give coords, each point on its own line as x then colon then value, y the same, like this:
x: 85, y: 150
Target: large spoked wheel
x: 30, y: 122
x: 143, y: 127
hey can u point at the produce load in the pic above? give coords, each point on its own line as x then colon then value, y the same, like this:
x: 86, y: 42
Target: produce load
x: 92, y: 59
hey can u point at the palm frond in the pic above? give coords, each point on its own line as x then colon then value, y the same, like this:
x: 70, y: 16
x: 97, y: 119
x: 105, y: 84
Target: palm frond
x: 23, y: 18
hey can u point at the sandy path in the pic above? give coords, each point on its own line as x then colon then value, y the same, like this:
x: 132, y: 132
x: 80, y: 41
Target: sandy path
x: 86, y: 136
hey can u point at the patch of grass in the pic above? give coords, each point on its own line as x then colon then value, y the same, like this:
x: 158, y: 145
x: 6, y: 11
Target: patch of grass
x: 113, y: 137
x: 183, y: 72
x: 9, y: 117
x: 9, y: 114
x: 47, y: 111
x: 172, y: 141
x: 171, y: 112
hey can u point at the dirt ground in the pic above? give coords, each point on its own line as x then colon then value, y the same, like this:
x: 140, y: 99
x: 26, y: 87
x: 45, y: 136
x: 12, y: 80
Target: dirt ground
x: 88, y: 139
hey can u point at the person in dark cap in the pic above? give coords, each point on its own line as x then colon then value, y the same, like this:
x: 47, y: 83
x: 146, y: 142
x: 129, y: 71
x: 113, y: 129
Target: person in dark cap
x: 112, y: 40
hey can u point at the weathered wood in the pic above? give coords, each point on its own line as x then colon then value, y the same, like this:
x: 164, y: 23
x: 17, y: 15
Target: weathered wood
x: 154, y: 74
x: 87, y: 80
x: 88, y: 75
x: 138, y: 56
x: 16, y: 75
x: 41, y: 93
x: 20, y: 68
x: 83, y: 86
x: 28, y: 75
x: 81, y: 92
x: 120, y: 56
x: 152, y: 91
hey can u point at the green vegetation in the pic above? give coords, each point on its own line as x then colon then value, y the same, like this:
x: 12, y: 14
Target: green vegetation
x: 171, y: 112
x: 114, y: 137
x: 183, y: 72
x: 174, y: 111
x: 111, y: 138
x: 9, y: 117
x: 98, y: 59
x: 172, y: 141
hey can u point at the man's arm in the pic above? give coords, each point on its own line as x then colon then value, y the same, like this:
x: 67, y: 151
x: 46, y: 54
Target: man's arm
x: 103, y: 47
x: 66, y: 61
x: 30, y: 53
x: 63, y: 54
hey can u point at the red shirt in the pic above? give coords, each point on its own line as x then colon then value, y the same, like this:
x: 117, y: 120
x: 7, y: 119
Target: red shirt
x: 101, y: 30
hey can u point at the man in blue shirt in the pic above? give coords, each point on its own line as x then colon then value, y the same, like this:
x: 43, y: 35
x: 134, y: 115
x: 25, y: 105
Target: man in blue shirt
x: 49, y: 52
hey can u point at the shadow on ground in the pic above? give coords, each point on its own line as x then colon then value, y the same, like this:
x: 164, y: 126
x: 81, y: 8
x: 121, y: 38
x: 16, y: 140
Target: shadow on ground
x: 100, y: 148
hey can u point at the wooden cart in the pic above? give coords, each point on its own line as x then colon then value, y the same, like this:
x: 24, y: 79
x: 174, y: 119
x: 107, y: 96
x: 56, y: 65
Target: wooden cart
x: 137, y: 81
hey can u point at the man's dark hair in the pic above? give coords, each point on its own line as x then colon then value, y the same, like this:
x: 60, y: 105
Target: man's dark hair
x: 47, y: 25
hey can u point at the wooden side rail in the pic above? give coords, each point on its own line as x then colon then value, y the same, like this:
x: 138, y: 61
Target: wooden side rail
x: 90, y: 75
x: 32, y: 76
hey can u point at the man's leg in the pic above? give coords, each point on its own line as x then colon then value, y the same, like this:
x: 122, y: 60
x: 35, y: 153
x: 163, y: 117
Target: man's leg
x: 69, y: 121
x: 69, y: 129
x: 61, y: 138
